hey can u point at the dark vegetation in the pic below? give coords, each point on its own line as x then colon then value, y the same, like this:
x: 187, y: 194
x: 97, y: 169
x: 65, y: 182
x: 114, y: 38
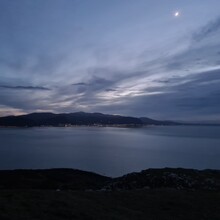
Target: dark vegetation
x: 72, y: 194
x: 77, y: 118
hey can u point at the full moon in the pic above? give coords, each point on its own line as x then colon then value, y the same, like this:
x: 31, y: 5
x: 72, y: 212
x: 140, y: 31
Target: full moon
x: 177, y: 14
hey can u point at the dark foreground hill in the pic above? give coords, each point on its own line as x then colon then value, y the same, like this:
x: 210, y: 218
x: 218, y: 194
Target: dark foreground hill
x: 70, y: 179
x: 77, y: 118
x: 51, y: 179
x: 155, y: 194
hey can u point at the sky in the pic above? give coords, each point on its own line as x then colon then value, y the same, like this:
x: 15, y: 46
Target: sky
x: 112, y: 56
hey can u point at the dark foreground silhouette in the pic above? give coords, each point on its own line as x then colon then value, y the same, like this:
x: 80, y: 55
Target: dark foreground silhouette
x: 74, y: 194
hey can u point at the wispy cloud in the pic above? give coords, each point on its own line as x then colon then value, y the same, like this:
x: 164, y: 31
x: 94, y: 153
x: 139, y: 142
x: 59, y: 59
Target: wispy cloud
x: 111, y: 90
x: 80, y: 84
x: 128, y: 68
x: 207, y: 30
x: 25, y: 87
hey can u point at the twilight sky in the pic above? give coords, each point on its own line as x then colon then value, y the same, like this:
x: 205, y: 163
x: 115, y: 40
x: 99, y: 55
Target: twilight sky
x: 129, y: 57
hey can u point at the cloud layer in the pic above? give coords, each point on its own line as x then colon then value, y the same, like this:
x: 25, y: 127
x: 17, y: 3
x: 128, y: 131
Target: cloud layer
x: 55, y: 60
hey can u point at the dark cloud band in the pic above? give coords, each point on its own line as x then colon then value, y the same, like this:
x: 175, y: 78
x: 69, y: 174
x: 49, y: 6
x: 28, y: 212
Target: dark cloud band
x: 24, y: 87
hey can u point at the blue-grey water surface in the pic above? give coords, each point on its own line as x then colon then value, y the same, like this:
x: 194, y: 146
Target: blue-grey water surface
x: 110, y: 151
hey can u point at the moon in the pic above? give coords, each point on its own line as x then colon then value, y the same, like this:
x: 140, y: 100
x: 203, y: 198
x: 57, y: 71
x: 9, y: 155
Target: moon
x: 177, y: 14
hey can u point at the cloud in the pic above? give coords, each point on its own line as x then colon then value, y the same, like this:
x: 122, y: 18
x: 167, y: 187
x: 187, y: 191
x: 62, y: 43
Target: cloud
x: 111, y: 90
x: 167, y: 83
x: 5, y: 111
x: 201, y: 55
x: 80, y: 84
x: 25, y: 87
x: 207, y: 30
x: 176, y: 86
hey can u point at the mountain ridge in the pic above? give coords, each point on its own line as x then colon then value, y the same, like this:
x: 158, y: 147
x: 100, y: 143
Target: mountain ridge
x: 77, y: 119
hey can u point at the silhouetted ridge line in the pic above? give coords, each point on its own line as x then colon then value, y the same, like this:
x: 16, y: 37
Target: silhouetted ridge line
x: 69, y: 119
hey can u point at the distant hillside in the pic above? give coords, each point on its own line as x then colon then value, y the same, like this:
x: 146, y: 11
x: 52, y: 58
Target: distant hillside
x: 149, y: 121
x: 78, y: 118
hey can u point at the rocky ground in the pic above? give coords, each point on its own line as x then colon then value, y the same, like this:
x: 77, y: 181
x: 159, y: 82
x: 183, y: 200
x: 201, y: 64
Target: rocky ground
x: 168, y: 178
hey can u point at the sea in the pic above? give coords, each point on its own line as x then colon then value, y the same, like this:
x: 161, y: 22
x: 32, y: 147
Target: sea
x: 110, y: 151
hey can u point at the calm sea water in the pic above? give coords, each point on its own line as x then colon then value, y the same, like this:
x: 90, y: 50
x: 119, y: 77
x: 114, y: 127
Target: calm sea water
x: 110, y: 151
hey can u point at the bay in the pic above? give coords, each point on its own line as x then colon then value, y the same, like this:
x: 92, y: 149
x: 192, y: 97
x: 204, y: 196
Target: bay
x: 110, y: 151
